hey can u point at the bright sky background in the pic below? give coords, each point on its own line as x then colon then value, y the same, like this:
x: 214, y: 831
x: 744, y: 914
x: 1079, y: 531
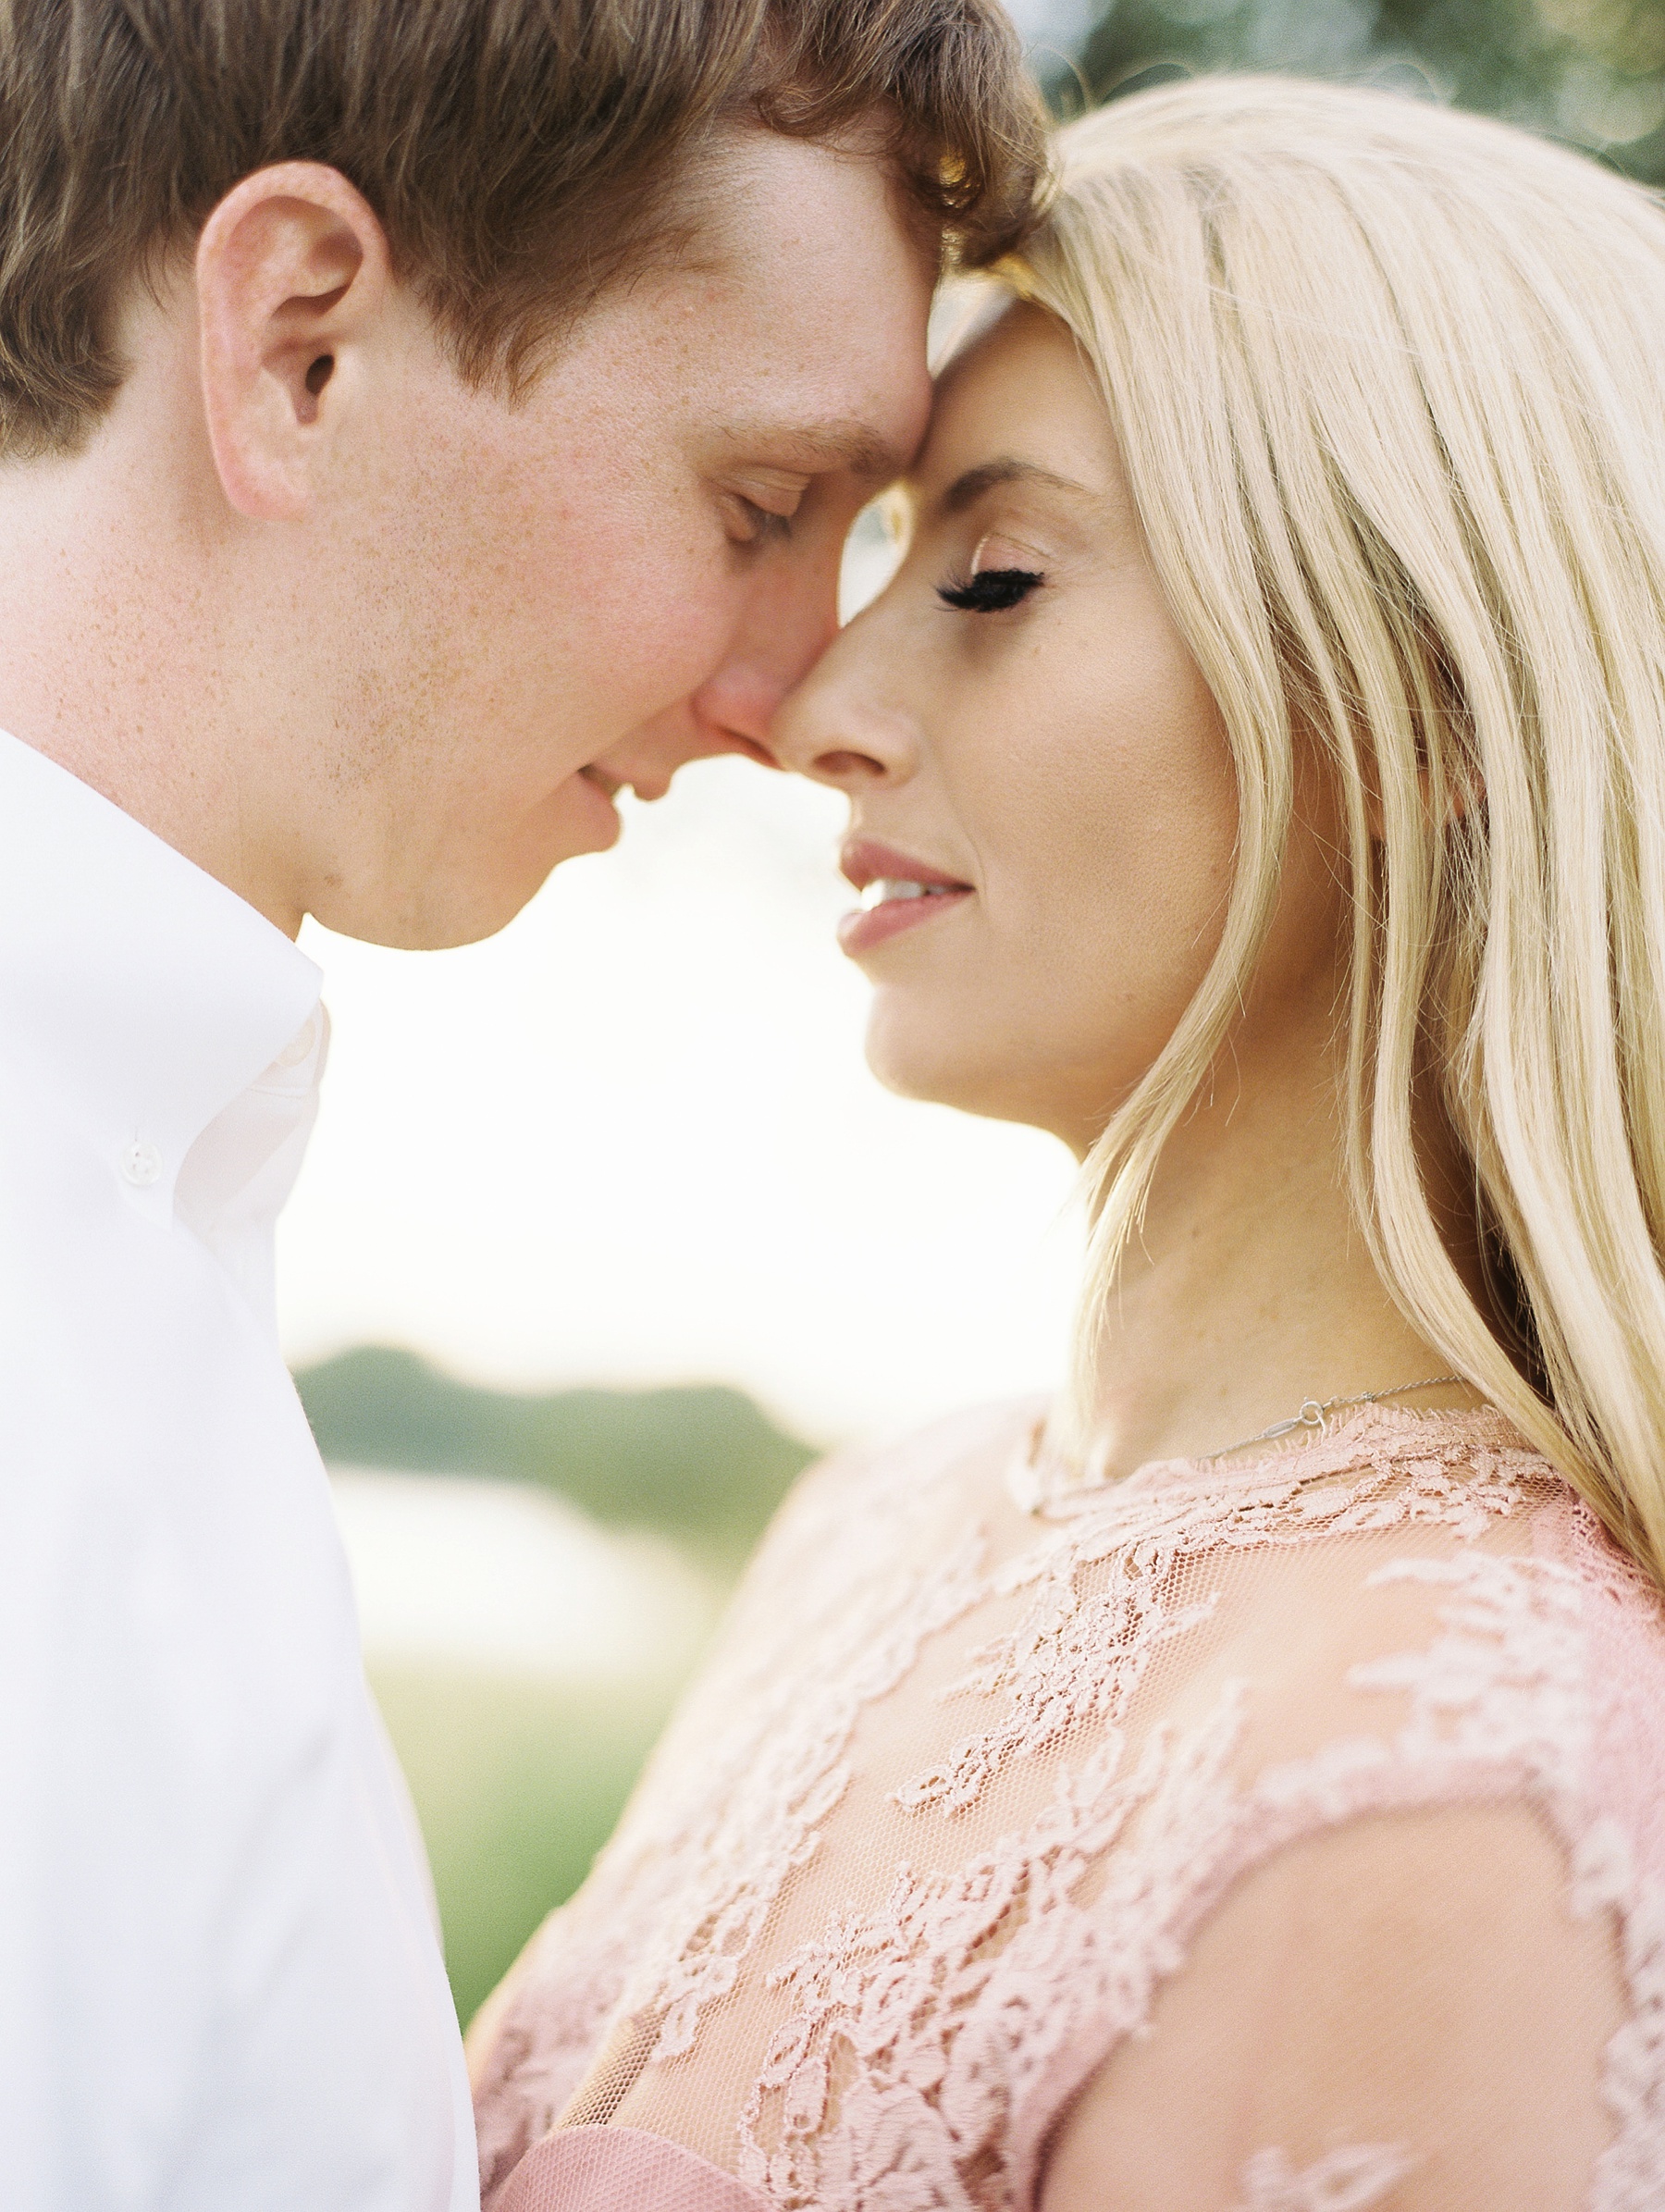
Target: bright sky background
x: 632, y: 1139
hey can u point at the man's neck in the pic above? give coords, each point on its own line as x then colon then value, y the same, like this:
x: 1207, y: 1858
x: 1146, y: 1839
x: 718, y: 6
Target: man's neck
x: 115, y: 662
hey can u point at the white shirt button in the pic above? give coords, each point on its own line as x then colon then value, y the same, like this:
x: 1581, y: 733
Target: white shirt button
x: 300, y: 1045
x: 140, y: 1164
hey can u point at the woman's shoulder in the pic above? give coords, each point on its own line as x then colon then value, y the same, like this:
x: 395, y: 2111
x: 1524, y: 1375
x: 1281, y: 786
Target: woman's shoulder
x: 1455, y: 1597
x: 874, y: 1528
x: 946, y: 1464
x: 985, y: 1434
x: 1398, y: 2010
x: 1437, y: 1793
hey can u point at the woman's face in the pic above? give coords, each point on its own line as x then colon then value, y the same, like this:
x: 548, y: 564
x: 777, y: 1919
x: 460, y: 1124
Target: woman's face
x: 1042, y: 801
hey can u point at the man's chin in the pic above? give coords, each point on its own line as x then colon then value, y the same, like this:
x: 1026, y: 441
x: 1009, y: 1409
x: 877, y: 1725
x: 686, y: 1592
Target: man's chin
x: 461, y: 904
x: 584, y: 816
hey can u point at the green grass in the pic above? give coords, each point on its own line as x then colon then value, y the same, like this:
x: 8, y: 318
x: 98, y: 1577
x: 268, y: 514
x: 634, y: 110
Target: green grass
x: 517, y: 1784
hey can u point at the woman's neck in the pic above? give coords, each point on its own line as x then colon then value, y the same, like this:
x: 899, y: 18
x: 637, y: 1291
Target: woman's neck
x: 1250, y: 1286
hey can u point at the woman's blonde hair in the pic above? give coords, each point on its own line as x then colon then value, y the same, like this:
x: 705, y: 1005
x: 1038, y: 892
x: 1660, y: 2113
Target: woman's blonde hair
x: 1389, y: 386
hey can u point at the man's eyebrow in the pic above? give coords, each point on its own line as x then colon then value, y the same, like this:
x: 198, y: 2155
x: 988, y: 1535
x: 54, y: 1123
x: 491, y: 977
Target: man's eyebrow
x: 817, y: 446
x: 965, y: 492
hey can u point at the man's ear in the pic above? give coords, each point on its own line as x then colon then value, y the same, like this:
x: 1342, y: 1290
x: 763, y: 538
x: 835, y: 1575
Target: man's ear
x: 292, y: 271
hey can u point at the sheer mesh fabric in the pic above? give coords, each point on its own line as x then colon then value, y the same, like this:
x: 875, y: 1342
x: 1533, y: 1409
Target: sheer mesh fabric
x: 1283, y: 1837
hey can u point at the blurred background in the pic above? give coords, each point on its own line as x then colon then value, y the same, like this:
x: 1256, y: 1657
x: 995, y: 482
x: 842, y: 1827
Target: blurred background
x: 606, y: 1231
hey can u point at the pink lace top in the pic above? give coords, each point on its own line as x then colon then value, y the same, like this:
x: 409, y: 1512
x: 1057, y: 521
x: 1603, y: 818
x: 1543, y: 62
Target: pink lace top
x: 1273, y: 1837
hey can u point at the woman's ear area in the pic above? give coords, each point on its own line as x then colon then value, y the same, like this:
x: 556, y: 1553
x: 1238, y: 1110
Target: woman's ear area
x: 292, y: 269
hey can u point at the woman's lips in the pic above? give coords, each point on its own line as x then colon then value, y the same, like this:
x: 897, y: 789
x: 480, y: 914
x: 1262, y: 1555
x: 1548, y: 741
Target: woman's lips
x: 898, y: 893
x: 859, y: 931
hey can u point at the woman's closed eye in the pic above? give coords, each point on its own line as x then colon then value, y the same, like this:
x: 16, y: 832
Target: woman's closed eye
x: 991, y: 590
x: 1001, y: 577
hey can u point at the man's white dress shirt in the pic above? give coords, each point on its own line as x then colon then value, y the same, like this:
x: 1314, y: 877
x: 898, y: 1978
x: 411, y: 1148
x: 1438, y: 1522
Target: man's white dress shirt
x: 220, y: 1983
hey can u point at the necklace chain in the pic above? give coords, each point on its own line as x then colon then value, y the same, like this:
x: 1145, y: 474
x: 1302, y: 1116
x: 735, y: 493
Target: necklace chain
x: 1314, y: 1413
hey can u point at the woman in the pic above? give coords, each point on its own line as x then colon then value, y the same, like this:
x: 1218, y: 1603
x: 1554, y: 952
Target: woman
x: 1242, y: 1785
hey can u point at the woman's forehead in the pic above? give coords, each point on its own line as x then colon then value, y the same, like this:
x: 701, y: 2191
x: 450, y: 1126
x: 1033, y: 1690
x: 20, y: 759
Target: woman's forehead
x: 1017, y: 404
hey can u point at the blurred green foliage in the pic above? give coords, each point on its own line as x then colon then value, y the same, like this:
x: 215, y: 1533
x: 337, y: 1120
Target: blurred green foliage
x: 517, y: 1784
x: 704, y: 1467
x: 518, y: 1781
x: 1589, y: 71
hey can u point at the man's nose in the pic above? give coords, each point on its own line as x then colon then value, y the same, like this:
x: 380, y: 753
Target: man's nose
x: 785, y: 631
x: 651, y: 756
x: 788, y: 630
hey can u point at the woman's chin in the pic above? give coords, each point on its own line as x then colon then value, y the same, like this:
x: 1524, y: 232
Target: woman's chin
x: 943, y: 1057
x: 917, y: 1056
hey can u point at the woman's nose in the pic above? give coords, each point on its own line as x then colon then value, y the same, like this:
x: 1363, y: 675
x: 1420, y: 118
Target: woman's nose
x: 834, y: 729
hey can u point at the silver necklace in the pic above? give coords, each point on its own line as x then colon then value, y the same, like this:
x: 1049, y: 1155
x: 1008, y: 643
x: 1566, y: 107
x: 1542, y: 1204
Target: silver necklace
x: 1314, y: 1413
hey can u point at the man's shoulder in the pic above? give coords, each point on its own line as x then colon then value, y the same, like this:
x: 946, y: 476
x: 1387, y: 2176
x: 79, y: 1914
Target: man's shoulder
x: 147, y: 1416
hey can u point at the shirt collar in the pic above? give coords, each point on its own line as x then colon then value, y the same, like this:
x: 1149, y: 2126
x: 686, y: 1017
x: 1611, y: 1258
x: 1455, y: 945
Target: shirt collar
x: 156, y: 994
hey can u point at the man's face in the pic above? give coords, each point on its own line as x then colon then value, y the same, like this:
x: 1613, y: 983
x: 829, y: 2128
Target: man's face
x: 520, y: 606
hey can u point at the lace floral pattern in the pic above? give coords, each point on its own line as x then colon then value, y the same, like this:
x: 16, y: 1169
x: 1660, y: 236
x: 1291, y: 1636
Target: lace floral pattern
x: 924, y: 2037
x: 654, y: 1946
x: 1345, y: 2182
x: 1077, y: 1659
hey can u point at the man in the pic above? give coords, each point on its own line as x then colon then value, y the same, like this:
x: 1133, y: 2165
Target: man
x: 417, y: 418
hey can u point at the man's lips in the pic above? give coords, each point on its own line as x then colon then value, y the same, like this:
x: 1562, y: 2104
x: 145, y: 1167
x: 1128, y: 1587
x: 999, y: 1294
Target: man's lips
x: 899, y: 893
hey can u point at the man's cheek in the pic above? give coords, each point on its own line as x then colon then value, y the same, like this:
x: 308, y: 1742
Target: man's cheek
x: 675, y: 652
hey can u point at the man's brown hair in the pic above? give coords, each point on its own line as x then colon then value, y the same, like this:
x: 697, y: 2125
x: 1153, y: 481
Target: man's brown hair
x: 520, y: 153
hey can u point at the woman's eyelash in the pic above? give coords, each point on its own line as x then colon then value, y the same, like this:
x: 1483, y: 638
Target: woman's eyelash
x: 991, y: 591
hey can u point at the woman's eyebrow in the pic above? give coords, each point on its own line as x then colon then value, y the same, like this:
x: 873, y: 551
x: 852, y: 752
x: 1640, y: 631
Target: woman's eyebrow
x: 966, y: 490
